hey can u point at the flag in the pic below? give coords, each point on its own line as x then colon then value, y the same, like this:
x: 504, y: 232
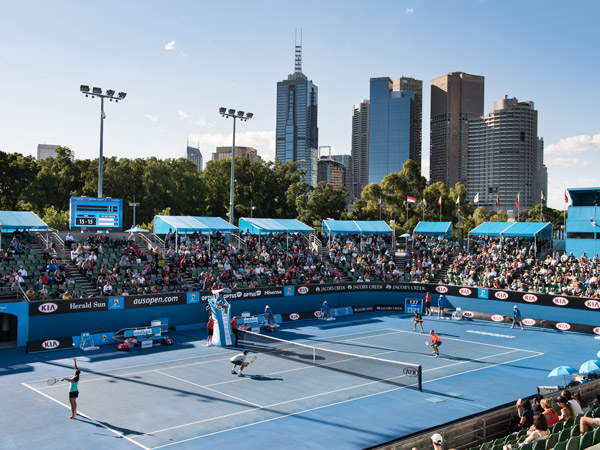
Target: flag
x: 440, y: 200
x: 458, y: 200
x: 476, y: 199
x: 543, y: 197
x: 410, y: 200
x: 517, y: 202
x: 424, y: 202
x: 379, y: 202
x: 497, y: 199
x: 566, y: 198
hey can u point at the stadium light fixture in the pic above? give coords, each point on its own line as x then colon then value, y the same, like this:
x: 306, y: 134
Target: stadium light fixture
x: 96, y: 91
x: 235, y: 115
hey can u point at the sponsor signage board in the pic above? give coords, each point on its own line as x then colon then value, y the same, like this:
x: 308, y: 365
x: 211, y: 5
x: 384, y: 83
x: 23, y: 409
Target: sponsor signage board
x: 49, y: 344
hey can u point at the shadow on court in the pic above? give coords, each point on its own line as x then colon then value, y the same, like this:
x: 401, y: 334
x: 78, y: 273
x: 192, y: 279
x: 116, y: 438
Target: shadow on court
x: 103, y: 425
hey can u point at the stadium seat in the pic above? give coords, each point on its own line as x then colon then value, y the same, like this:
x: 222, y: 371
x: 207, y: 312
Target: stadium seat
x: 568, y: 423
x: 597, y: 436
x: 575, y: 430
x: 564, y: 435
x: 573, y: 443
x: 587, y: 440
x: 551, y: 441
x: 540, y: 444
x: 560, y: 445
x: 557, y: 428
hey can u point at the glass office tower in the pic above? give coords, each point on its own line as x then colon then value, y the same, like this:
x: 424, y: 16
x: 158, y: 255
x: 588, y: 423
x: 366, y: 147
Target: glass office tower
x: 390, y: 118
x: 297, y: 134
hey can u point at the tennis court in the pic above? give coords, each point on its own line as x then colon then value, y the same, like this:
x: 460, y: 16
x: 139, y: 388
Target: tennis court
x: 294, y: 397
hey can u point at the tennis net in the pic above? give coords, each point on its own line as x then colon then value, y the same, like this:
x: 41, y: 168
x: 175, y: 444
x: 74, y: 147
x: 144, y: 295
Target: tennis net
x: 395, y: 373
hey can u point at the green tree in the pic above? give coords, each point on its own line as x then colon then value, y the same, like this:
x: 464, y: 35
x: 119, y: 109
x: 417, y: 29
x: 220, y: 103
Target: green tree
x: 325, y: 201
x: 17, y: 172
x: 55, y: 218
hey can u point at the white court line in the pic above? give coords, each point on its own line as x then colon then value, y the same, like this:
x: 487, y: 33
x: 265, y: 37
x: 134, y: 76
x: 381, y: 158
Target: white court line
x: 324, y: 406
x: 118, y: 433
x: 206, y: 387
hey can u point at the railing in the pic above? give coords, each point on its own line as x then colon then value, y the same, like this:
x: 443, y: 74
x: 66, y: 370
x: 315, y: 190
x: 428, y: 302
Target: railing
x: 238, y: 242
x: 315, y: 243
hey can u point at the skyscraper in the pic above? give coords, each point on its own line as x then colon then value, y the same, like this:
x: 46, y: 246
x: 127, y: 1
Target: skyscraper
x: 390, y: 120
x: 297, y: 134
x: 240, y: 152
x: 455, y: 98
x: 346, y: 160
x: 360, y: 148
x: 506, y: 156
x: 331, y: 171
x: 46, y: 151
x: 194, y: 155
x: 416, y: 128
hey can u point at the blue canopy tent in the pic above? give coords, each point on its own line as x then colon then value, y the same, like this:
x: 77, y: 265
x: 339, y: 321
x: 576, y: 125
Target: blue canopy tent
x: 20, y: 220
x: 356, y: 227
x: 538, y: 231
x: 266, y: 226
x: 434, y: 228
x: 192, y: 224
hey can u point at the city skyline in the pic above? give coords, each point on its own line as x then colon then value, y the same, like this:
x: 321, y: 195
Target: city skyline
x: 178, y: 74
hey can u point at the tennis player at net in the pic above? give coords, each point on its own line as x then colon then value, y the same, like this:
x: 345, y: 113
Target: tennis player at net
x: 239, y: 360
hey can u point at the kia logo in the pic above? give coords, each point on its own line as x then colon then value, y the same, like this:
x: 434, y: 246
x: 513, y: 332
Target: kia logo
x: 410, y: 371
x: 294, y: 316
x: 563, y: 326
x: 530, y: 298
x: 464, y: 291
x: 50, y: 344
x: 468, y: 314
x: 501, y: 295
x: 48, y: 307
x: 560, y: 301
x: 529, y: 322
x: 592, y: 304
x: 596, y: 330
x: 441, y: 289
x: 302, y: 290
x: 497, y: 318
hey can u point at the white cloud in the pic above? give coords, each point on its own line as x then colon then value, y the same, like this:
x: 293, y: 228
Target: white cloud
x: 170, y: 45
x: 409, y: 10
x: 182, y: 115
x: 151, y: 117
x: 201, y: 121
x: 262, y: 141
x: 563, y: 161
x: 575, y: 144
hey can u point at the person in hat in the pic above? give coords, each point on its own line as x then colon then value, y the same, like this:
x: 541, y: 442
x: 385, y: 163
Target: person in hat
x: 437, y: 440
x: 517, y: 317
x: 566, y: 410
x: 269, y: 317
x: 441, y: 304
x: 325, y: 312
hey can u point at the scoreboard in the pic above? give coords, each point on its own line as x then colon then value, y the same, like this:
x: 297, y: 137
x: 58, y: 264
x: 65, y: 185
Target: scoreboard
x: 93, y: 212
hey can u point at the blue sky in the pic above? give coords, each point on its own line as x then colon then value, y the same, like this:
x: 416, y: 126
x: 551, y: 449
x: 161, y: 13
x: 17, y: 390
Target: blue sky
x: 179, y: 61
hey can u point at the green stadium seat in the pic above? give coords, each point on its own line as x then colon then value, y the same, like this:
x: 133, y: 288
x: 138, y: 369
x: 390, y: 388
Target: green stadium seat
x: 573, y: 443
x: 526, y: 447
x: 587, y: 440
x: 575, y: 430
x: 564, y: 435
x: 597, y: 436
x: 568, y: 423
x: 540, y: 444
x: 560, y: 445
x: 551, y: 441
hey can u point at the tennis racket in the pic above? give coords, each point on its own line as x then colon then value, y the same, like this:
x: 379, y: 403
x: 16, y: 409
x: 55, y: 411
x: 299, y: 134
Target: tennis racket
x: 252, y: 359
x: 427, y: 344
x: 52, y: 381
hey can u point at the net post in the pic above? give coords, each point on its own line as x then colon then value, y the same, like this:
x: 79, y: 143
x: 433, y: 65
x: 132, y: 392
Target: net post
x: 420, y: 379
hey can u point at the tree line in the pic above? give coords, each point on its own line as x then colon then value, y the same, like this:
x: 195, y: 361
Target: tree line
x: 262, y: 189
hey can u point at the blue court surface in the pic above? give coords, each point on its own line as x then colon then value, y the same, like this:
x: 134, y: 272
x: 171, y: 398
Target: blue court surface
x: 184, y: 396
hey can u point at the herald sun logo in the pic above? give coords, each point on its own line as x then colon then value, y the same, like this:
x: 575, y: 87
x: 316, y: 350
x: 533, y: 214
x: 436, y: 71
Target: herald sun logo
x: 294, y: 316
x: 530, y: 298
x: 560, y: 301
x: 563, y: 326
x: 529, y: 322
x: 497, y: 318
x: 47, y: 307
x: 592, y: 304
x: 464, y: 291
x: 302, y: 290
x: 596, y: 330
x: 441, y: 289
x: 50, y: 344
x: 468, y: 314
x: 501, y: 295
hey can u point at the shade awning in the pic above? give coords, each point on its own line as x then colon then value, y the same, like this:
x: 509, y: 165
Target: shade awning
x: 19, y: 220
x: 356, y: 227
x: 513, y: 229
x: 191, y: 224
x: 265, y: 226
x: 433, y: 228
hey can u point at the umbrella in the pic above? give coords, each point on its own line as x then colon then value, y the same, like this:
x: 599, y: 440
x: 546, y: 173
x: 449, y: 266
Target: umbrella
x: 590, y: 366
x: 137, y: 229
x: 405, y: 235
x: 562, y: 370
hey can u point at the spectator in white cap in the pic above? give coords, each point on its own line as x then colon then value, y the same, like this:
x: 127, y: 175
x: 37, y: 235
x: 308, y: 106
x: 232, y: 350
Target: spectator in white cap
x: 437, y: 441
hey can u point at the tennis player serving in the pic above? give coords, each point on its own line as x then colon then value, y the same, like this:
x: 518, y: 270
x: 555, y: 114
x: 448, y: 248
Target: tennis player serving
x: 73, y: 389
